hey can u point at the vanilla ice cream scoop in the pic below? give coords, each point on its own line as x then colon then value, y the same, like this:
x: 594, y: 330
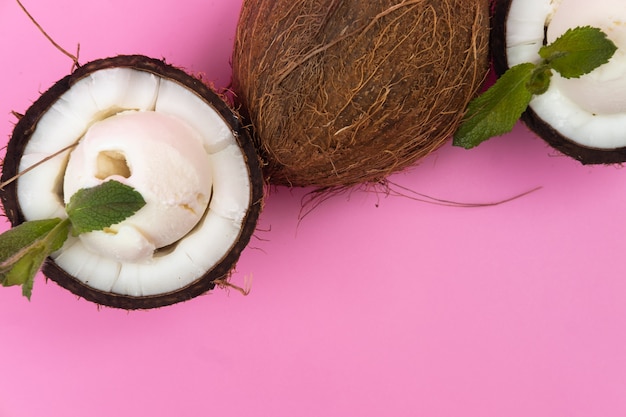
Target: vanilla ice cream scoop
x: 163, y: 159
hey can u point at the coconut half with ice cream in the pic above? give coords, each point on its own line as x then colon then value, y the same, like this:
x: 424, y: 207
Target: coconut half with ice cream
x: 161, y: 131
x: 585, y: 117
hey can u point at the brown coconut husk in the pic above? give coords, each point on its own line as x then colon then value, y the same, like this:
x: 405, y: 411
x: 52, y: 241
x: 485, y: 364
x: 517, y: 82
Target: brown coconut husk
x: 341, y: 92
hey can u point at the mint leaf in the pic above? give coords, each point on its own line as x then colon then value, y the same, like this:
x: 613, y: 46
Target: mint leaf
x: 101, y: 206
x: 24, y: 249
x: 496, y: 111
x: 578, y: 51
x: 17, y: 241
x: 539, y: 80
x: 25, y: 269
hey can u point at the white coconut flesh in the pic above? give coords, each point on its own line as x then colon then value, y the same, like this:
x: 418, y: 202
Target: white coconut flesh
x: 169, y: 144
x: 590, y: 110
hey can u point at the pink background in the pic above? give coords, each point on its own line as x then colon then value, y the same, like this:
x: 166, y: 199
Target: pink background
x: 372, y: 305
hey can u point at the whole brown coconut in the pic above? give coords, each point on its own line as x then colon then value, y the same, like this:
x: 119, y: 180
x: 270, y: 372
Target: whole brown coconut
x: 341, y: 92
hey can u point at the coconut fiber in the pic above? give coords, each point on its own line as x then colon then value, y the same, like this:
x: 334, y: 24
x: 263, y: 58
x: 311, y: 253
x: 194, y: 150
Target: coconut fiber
x: 340, y: 92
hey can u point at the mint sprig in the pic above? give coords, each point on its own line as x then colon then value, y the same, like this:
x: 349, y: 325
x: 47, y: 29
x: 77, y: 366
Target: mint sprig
x: 99, y: 207
x: 575, y: 53
x: 24, y: 248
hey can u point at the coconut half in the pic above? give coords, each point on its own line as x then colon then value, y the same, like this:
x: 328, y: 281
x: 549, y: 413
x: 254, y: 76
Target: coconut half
x: 154, y: 127
x: 585, y: 117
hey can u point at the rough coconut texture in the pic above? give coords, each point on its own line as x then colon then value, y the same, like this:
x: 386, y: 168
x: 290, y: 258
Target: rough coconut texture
x: 345, y: 92
x: 26, y: 126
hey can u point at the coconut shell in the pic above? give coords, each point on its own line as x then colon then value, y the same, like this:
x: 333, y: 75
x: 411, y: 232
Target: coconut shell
x: 26, y: 126
x: 584, y: 154
x: 340, y: 92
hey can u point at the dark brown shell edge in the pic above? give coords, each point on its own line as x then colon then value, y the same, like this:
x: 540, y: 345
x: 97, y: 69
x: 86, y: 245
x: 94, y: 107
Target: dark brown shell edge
x: 583, y: 154
x: 26, y: 126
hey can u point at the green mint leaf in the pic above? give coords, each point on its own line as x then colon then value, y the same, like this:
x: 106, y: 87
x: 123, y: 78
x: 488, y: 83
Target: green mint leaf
x: 24, y: 248
x: 496, y: 111
x: 578, y: 51
x: 101, y: 206
x: 25, y: 269
x: 539, y: 80
x: 15, y: 242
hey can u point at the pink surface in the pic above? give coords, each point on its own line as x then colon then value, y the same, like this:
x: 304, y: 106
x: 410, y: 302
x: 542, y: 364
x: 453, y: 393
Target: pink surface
x: 370, y: 306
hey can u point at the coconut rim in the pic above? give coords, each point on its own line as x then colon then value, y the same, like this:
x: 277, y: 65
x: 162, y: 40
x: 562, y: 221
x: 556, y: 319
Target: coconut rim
x: 26, y: 126
x: 585, y: 154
